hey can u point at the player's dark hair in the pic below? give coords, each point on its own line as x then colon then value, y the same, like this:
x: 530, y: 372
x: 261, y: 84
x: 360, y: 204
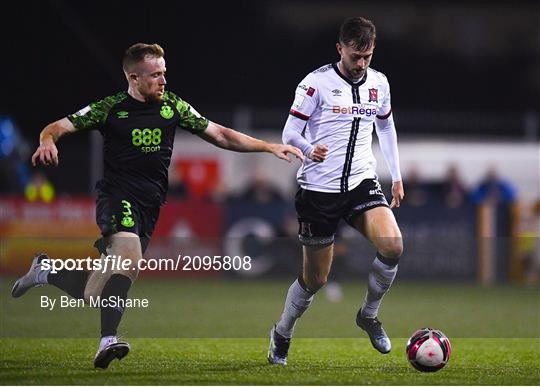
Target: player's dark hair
x: 358, y: 32
x: 138, y: 52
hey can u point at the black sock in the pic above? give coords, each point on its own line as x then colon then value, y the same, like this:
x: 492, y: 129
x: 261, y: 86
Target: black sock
x: 387, y: 261
x: 72, y: 282
x: 303, y: 284
x: 117, y: 286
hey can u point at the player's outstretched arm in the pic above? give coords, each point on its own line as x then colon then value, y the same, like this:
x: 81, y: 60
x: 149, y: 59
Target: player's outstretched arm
x: 232, y: 140
x: 47, y: 153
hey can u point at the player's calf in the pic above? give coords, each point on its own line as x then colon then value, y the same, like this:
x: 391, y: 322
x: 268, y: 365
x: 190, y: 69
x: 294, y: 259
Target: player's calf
x: 314, y: 282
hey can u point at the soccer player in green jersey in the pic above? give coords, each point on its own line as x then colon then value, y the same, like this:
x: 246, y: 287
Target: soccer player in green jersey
x: 138, y: 126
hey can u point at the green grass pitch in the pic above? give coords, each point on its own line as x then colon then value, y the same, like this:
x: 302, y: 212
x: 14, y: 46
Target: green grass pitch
x: 207, y: 332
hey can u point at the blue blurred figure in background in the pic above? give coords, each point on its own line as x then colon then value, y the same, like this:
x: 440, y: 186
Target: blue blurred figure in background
x: 494, y: 189
x: 14, y: 152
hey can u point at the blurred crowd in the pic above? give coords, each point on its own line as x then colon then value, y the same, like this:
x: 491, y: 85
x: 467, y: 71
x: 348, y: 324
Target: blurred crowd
x: 452, y: 192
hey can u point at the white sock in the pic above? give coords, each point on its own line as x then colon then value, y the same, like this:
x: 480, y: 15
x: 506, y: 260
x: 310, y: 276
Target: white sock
x: 297, y: 301
x: 380, y: 279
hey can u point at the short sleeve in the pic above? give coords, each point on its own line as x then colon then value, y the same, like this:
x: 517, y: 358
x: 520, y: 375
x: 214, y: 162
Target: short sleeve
x: 306, y: 98
x: 94, y: 115
x: 190, y: 118
x: 385, y: 109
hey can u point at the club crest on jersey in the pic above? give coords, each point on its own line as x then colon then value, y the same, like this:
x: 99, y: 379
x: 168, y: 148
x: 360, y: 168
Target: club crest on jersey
x: 373, y: 97
x: 166, y: 112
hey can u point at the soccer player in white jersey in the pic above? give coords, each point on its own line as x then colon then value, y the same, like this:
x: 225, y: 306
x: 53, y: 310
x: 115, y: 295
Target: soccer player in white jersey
x: 331, y: 121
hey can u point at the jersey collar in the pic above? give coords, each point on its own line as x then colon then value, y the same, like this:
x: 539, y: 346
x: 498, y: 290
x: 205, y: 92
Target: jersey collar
x: 141, y: 103
x: 359, y: 83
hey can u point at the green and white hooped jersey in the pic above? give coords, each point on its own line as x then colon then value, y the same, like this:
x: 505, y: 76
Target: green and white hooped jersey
x: 138, y: 141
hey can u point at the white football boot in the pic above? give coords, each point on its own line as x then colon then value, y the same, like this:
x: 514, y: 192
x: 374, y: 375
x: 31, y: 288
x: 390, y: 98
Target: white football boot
x: 35, y: 277
x: 109, y: 349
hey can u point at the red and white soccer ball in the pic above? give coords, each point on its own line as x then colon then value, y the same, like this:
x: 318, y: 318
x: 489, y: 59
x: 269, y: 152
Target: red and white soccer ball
x: 428, y: 350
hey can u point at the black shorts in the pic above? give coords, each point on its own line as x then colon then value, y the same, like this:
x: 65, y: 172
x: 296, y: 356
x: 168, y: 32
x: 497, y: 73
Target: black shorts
x: 319, y: 213
x: 115, y: 213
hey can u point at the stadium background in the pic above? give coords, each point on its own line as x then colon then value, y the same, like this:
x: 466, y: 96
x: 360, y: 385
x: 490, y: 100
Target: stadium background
x: 465, y: 81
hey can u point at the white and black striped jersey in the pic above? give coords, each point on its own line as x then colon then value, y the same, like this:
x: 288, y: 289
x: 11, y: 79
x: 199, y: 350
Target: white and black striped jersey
x: 340, y: 114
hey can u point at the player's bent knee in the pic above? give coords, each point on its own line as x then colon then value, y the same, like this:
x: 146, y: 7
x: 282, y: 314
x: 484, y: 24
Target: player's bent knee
x: 392, y: 249
x: 127, y: 246
x: 94, y: 285
x: 131, y: 271
x: 98, y: 283
x: 132, y: 275
x: 97, y: 279
x: 117, y: 285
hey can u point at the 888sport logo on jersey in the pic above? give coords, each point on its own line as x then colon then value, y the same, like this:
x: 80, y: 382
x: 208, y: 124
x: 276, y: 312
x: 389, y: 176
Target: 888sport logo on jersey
x: 147, y: 139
